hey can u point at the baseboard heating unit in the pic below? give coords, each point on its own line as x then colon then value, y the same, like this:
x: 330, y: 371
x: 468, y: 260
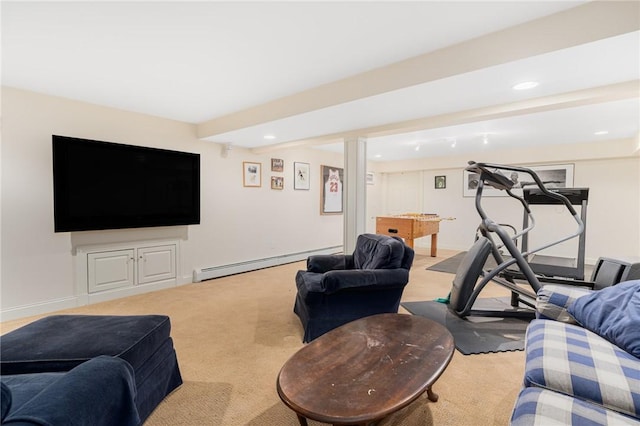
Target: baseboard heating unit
x: 201, y: 274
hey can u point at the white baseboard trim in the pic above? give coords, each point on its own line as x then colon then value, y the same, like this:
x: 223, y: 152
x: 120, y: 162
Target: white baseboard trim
x: 201, y: 274
x: 104, y: 296
x: 38, y: 308
x: 81, y: 300
x: 198, y: 275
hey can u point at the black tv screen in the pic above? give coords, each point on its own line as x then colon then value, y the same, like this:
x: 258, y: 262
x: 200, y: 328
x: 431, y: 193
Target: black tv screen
x: 103, y: 185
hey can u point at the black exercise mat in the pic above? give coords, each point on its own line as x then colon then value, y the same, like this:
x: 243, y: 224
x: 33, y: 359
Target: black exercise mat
x: 476, y: 335
x: 450, y: 265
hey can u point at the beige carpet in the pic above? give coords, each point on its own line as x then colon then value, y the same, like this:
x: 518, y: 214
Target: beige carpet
x: 233, y: 334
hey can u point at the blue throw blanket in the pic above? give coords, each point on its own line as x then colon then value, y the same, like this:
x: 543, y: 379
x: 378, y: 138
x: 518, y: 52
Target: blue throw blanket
x: 613, y: 313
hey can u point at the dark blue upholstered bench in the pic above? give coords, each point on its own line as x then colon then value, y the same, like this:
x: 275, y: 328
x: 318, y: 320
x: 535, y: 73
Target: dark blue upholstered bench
x: 59, y: 343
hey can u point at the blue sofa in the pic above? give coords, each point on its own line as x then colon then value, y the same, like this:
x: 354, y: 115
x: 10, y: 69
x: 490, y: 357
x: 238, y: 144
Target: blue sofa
x: 582, y: 358
x: 76, y: 357
x: 337, y: 289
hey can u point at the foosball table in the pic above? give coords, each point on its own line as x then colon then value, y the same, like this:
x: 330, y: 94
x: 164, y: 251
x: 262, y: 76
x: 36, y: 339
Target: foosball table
x: 410, y: 226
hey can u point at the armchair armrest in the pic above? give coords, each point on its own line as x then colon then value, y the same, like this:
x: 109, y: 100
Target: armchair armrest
x: 98, y: 392
x: 322, y: 263
x: 553, y: 300
x: 337, y: 280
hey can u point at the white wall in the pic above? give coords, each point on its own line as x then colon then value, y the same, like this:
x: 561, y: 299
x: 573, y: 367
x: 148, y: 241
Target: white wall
x: 241, y: 224
x: 613, y: 212
x: 238, y: 223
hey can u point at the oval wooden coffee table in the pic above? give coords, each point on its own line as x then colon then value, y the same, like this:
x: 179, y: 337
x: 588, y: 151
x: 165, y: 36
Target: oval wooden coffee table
x: 365, y: 370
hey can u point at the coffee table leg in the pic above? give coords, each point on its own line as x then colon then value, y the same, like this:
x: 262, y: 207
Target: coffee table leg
x: 433, y: 397
x: 302, y: 420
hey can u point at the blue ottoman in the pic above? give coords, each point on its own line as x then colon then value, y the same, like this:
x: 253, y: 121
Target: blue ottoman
x: 62, y: 342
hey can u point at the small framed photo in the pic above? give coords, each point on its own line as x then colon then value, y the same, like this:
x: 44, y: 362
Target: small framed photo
x: 277, y: 182
x: 371, y: 178
x: 440, y: 182
x: 251, y: 174
x: 301, y: 176
x: 277, y: 164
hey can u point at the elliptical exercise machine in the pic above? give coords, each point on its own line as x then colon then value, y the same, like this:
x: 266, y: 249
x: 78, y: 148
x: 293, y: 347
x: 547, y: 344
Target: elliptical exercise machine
x: 471, y: 278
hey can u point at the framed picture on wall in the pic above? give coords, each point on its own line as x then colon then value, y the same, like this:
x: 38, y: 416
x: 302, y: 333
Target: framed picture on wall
x: 553, y: 176
x: 277, y: 182
x: 331, y: 190
x: 277, y: 164
x: 371, y: 178
x: 301, y: 176
x: 251, y: 174
x: 440, y: 182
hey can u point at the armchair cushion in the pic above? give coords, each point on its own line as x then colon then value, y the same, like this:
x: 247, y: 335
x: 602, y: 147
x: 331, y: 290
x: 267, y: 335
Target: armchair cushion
x: 380, y: 278
x: 322, y: 263
x: 613, y: 313
x: 378, y: 252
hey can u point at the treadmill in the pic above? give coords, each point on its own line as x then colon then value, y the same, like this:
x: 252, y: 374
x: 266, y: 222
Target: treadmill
x: 554, y: 266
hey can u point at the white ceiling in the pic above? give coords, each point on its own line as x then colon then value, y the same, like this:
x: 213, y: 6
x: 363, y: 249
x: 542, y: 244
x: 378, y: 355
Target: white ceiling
x: 241, y: 70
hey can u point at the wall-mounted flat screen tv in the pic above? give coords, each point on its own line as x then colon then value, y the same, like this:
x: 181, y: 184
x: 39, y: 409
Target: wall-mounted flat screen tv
x: 103, y: 185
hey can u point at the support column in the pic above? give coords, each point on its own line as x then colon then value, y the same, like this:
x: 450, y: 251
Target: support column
x: 355, y: 191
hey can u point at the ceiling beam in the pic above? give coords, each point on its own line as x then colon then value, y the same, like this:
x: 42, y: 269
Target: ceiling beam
x: 587, y: 23
x: 608, y: 93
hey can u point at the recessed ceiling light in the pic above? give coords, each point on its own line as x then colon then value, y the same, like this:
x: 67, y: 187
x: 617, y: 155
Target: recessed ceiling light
x: 269, y: 137
x: 601, y: 132
x: 525, y: 85
x: 417, y: 148
x: 378, y: 156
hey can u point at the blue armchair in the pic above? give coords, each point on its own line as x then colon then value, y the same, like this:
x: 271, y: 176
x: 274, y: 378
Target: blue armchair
x: 337, y: 289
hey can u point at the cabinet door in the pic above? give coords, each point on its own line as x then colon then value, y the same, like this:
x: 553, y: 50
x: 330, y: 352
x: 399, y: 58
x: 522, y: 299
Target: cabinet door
x: 110, y: 269
x: 156, y: 263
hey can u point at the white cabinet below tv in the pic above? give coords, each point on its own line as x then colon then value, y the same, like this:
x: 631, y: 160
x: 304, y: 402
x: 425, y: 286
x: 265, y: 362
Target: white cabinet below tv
x: 111, y: 271
x: 157, y: 263
x: 107, y: 270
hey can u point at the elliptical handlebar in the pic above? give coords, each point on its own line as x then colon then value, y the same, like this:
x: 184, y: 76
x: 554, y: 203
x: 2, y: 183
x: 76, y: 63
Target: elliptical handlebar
x: 500, y: 181
x: 491, y: 175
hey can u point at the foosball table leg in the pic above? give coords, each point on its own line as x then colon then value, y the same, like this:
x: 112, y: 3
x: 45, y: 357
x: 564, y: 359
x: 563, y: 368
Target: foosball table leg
x: 434, y: 245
